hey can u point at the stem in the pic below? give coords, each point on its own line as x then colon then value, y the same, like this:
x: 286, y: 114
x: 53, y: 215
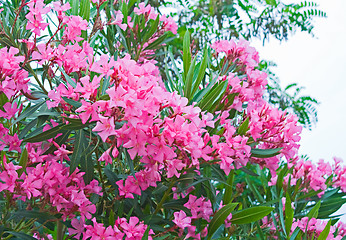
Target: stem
x: 138, y: 53
x: 51, y: 38
x: 100, y: 173
x: 168, y: 191
x: 19, y: 10
x: 60, y: 228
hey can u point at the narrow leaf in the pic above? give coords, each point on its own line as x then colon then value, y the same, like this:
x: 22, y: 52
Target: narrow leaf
x: 250, y: 215
x: 219, y: 218
x: 243, y: 128
x: 324, y: 234
x: 289, y: 213
x: 314, y: 211
x: 265, y: 153
x: 29, y: 111
x: 201, y: 72
x: 186, y: 53
x: 189, y: 80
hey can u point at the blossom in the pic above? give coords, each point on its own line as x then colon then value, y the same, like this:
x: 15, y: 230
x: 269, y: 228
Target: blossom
x: 105, y: 127
x: 181, y: 220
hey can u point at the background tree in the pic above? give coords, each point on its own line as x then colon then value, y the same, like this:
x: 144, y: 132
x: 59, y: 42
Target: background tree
x: 211, y: 20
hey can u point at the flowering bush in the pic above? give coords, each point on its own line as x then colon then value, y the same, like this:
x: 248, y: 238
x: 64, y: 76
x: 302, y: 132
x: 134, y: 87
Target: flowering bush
x: 96, y: 145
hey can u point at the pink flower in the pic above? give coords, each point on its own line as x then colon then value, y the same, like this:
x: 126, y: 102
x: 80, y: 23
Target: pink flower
x: 173, y: 166
x: 105, y: 128
x: 89, y: 88
x: 169, y: 24
x: 142, y: 9
x: 10, y: 111
x: 118, y: 20
x: 75, y: 25
x: 86, y: 110
x: 133, y: 229
x: 35, y: 20
x: 105, y: 157
x: 32, y: 186
x: 8, y: 176
x: 13, y: 142
x: 181, y: 220
x: 77, y: 228
x: 98, y: 231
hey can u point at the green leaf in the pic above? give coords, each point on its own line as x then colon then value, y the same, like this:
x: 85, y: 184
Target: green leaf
x: 158, y: 42
x: 248, y: 171
x: 254, y: 189
x: 22, y: 236
x: 72, y: 102
x: 265, y: 153
x: 23, y: 161
x: 212, y: 96
x: 295, y: 233
x: 27, y: 128
x: 74, y: 7
x: 314, y: 211
x: 250, y: 215
x: 41, y: 217
x: 146, y: 234
x: 111, y: 218
x: 271, y: 2
x: 330, y: 206
x: 324, y: 234
x: 79, y: 146
x: 289, y: 213
x: 186, y: 53
x: 202, y: 71
x: 152, y: 30
x: 243, y: 128
x: 189, y: 79
x: 84, y: 10
x: 87, y: 166
x: 67, y: 77
x: 29, y: 111
x: 228, y: 188
x: 219, y: 218
x: 50, y: 133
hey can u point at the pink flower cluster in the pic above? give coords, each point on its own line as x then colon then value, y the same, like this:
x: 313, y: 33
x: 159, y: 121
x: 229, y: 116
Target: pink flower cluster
x: 240, y: 53
x: 131, y: 230
x: 314, y: 227
x: 13, y: 78
x: 50, y: 182
x: 274, y: 129
x: 36, y: 22
x: 315, y: 176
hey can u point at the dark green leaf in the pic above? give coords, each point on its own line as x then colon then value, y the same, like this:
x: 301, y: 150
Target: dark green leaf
x: 219, y: 218
x: 201, y: 72
x: 250, y: 215
x: 50, y: 133
x: 29, y: 111
x: 23, y: 161
x: 22, y: 236
x: 80, y: 144
x: 265, y: 153
x: 72, y: 102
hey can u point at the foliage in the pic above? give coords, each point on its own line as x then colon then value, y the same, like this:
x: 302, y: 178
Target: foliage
x: 289, y: 98
x: 211, y: 20
x: 94, y: 145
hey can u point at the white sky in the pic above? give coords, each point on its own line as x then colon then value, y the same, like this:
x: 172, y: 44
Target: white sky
x: 319, y: 64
